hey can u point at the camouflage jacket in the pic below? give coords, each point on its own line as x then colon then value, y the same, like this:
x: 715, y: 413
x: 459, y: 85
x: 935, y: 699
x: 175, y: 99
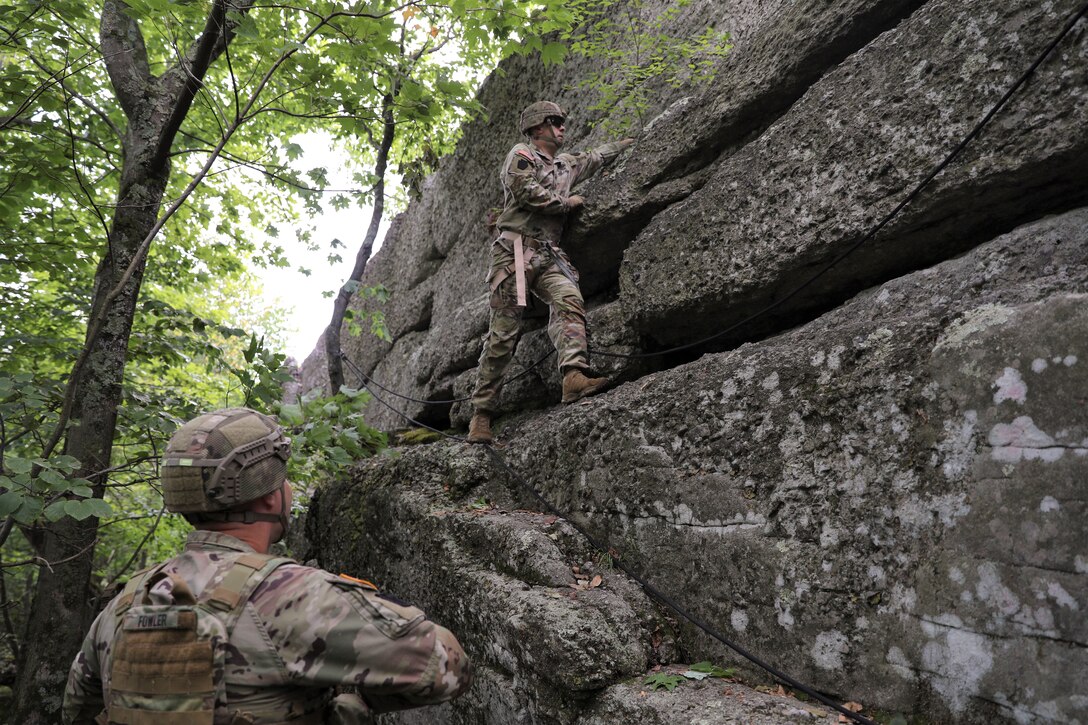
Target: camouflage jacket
x: 302, y: 633
x: 536, y: 187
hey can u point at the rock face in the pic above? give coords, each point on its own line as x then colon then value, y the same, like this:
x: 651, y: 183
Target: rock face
x: 877, y: 486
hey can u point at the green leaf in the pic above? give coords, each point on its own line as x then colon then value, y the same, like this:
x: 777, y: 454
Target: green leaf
x: 9, y: 502
x: 553, y: 53
x: 711, y: 670
x: 53, y: 479
x: 29, y: 511
x: 663, y: 680
x: 56, y: 511
x: 87, y: 507
x: 19, y: 465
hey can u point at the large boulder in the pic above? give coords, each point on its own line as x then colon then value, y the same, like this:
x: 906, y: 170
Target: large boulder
x: 435, y: 255
x: 886, y: 502
x: 877, y: 485
x: 850, y: 149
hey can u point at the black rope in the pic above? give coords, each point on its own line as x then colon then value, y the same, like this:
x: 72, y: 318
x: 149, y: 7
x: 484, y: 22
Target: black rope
x: 523, y: 373
x: 649, y: 588
x: 883, y: 222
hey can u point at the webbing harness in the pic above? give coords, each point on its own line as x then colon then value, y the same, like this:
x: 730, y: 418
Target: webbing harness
x: 167, y: 666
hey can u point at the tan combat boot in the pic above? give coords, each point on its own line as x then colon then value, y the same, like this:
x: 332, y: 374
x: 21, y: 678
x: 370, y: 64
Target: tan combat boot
x: 479, y: 428
x: 577, y: 386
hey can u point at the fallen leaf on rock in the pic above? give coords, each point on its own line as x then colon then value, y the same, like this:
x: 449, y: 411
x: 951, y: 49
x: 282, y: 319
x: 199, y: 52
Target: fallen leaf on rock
x: 595, y: 582
x: 549, y: 520
x: 852, y: 707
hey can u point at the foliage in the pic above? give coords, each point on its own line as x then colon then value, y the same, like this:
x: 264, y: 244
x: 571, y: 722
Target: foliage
x: 69, y: 120
x: 372, y: 314
x: 327, y: 434
x: 635, y: 50
x: 703, y: 670
x: 663, y: 680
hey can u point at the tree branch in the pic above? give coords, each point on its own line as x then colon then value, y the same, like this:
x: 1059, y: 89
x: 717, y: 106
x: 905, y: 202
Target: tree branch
x: 191, y: 70
x: 126, y: 56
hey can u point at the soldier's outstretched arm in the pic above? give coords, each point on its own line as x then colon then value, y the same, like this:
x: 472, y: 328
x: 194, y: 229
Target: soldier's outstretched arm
x: 588, y: 163
x: 333, y: 632
x: 83, y: 698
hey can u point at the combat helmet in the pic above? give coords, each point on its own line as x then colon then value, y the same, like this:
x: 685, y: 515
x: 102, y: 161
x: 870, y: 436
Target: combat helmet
x: 535, y: 113
x: 222, y: 459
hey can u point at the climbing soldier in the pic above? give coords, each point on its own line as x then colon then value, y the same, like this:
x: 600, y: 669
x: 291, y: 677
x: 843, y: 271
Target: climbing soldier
x: 525, y: 257
x: 225, y: 633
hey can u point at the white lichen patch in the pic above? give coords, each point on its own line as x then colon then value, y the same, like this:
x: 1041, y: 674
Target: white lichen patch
x: 829, y: 649
x: 1038, y: 365
x: 739, y: 620
x: 1001, y: 600
x: 957, y: 448
x: 682, y: 518
x: 1049, y: 504
x: 1061, y: 597
x: 1069, y: 361
x: 918, y: 513
x: 1022, y: 440
x: 829, y: 536
x: 900, y: 665
x: 1010, y: 386
x: 977, y: 320
x: 1080, y: 564
x: 955, y: 660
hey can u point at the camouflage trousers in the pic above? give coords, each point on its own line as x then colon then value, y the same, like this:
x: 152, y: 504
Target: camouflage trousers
x: 566, y: 322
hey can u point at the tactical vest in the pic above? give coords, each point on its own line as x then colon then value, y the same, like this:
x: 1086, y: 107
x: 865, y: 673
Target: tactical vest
x: 168, y: 661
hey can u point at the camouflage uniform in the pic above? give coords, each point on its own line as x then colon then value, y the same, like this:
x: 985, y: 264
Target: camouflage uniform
x: 301, y: 633
x: 536, y: 189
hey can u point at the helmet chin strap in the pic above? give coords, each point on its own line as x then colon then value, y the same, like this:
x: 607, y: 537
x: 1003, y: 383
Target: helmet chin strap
x: 550, y: 137
x: 285, y: 522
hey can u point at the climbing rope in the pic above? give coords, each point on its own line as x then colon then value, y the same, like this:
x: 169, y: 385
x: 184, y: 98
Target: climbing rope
x: 649, y: 588
x: 378, y: 385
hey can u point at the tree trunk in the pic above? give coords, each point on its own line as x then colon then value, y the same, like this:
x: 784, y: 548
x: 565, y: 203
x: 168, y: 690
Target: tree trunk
x: 340, y: 306
x: 61, y: 613
x: 155, y: 107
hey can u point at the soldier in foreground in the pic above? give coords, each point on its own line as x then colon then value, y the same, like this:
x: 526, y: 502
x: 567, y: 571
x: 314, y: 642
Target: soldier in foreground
x: 226, y: 633
x: 525, y: 256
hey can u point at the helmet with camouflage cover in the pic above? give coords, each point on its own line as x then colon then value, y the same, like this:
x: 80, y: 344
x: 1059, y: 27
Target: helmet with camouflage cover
x: 536, y: 113
x: 222, y: 459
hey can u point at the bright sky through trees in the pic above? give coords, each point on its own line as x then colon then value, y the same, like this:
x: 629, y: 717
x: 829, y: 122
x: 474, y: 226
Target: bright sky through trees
x: 301, y: 297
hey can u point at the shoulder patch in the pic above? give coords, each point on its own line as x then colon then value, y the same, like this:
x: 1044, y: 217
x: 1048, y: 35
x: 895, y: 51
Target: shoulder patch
x: 522, y: 164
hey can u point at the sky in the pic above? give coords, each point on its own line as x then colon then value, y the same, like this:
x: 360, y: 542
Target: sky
x: 300, y: 296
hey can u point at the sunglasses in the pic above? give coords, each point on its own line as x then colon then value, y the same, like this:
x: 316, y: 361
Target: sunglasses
x: 556, y: 121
